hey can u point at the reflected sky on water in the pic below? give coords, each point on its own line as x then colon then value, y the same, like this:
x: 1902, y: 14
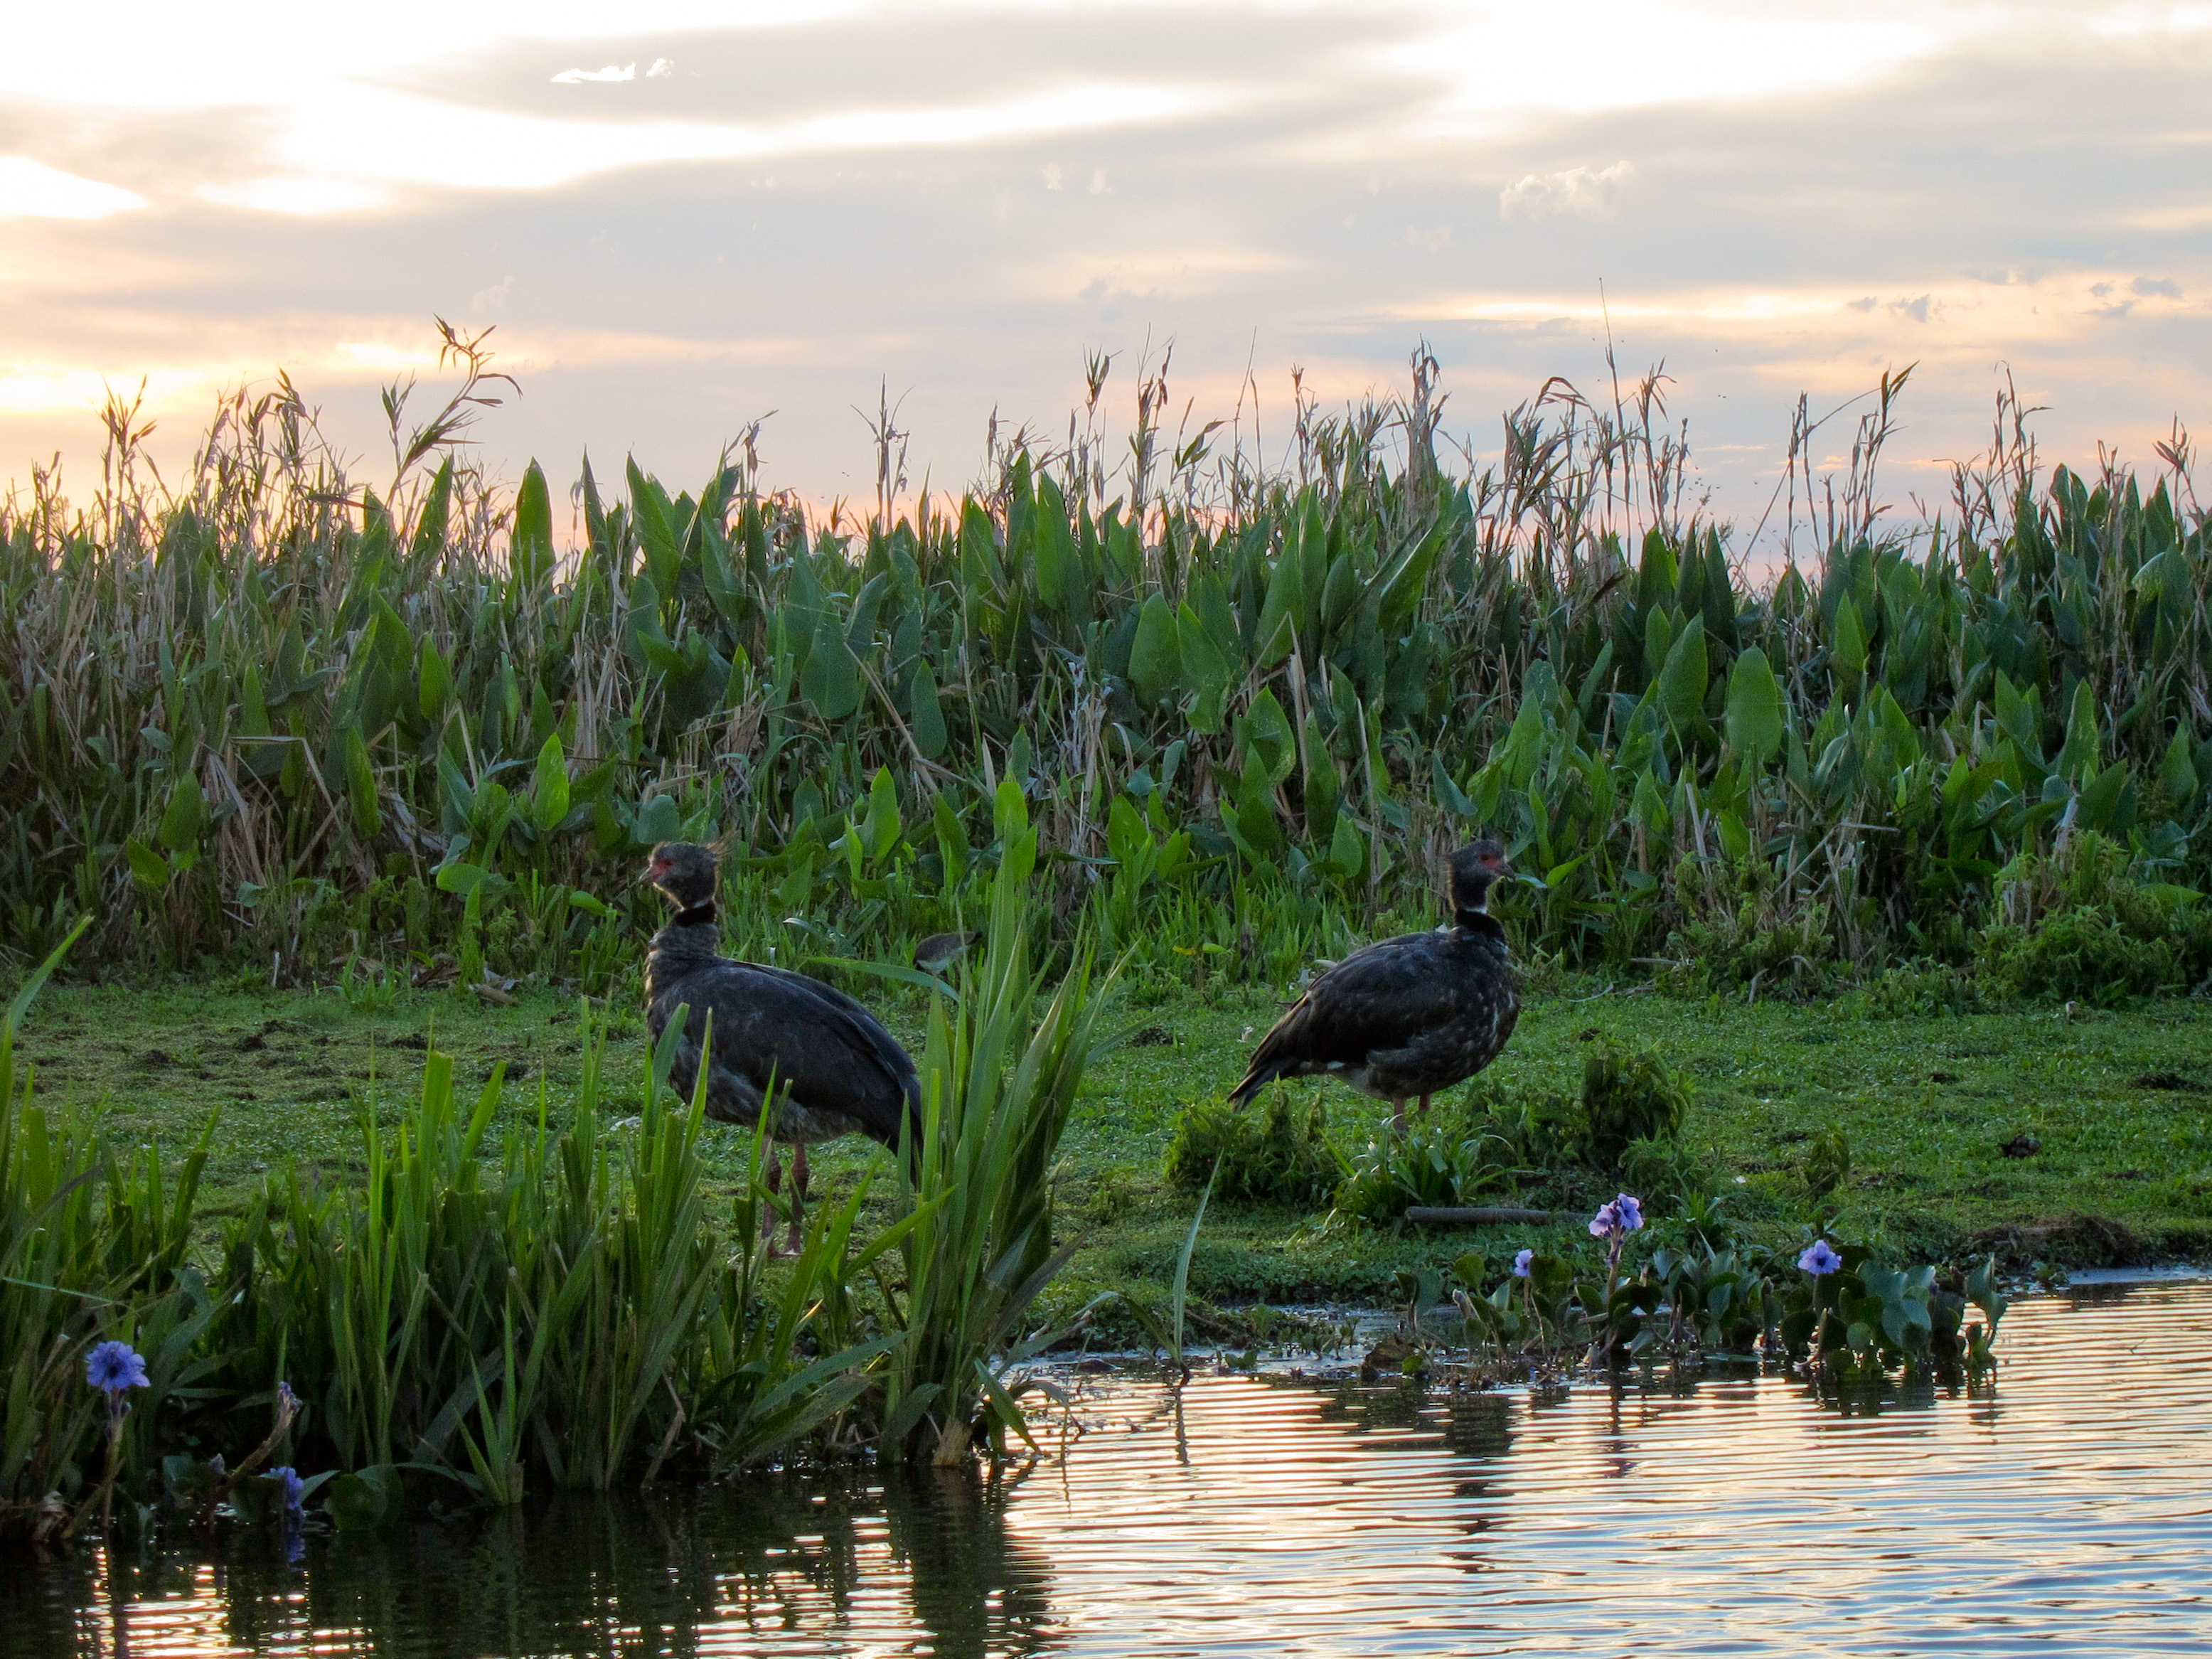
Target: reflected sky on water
x: 2066, y: 1510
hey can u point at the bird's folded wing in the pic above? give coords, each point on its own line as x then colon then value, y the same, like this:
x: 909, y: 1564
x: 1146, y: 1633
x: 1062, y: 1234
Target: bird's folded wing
x: 861, y: 1026
x: 1378, y: 999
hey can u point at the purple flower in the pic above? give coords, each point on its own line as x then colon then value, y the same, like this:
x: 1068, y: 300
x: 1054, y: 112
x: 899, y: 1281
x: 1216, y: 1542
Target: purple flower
x: 295, y: 1489
x: 1606, y: 1224
x: 1521, y: 1263
x: 115, y: 1366
x: 1819, y: 1258
x: 288, y: 1403
x: 1630, y: 1212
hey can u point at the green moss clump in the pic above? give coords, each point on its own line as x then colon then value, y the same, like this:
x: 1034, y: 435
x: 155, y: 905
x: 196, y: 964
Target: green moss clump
x: 1279, y: 1153
x: 1628, y: 1098
x: 2085, y: 926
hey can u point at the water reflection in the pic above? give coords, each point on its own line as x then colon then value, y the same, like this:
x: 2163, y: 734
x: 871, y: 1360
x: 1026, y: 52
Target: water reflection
x: 813, y: 1566
x: 2064, y: 1511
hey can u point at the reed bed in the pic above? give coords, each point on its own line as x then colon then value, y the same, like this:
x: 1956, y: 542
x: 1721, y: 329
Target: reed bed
x: 272, y: 717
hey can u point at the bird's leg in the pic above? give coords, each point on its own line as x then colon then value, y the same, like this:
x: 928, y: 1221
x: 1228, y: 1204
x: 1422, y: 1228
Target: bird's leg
x: 799, y: 1185
x: 1398, y: 1117
x: 1424, y: 1108
x: 772, y: 1178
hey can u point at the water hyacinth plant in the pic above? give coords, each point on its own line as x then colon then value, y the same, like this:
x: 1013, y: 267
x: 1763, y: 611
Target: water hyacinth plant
x: 1833, y: 1313
x: 1819, y: 1259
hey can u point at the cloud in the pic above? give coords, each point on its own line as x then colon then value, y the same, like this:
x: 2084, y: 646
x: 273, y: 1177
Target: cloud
x: 424, y: 142
x: 663, y: 69
x: 904, y: 193
x: 305, y: 195
x: 1578, y: 193
x: 32, y: 190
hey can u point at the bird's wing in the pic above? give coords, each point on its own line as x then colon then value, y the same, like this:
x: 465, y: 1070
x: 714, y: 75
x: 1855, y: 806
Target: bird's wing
x: 862, y: 1028
x: 830, y: 1053
x: 1379, y: 998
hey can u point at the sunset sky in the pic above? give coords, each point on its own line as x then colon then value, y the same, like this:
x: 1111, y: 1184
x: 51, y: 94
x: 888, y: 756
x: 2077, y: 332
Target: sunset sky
x: 681, y: 215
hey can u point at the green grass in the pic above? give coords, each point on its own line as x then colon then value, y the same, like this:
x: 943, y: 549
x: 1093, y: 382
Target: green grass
x: 1926, y: 1103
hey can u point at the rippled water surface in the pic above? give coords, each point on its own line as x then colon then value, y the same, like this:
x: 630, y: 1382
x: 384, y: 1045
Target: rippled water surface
x: 2068, y: 1510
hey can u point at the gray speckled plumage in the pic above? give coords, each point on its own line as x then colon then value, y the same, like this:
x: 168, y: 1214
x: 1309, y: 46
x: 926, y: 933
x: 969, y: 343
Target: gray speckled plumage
x: 1409, y: 1016
x: 835, y: 1071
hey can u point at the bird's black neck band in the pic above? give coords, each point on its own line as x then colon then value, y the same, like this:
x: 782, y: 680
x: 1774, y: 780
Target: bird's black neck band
x: 694, y: 915
x: 1469, y: 919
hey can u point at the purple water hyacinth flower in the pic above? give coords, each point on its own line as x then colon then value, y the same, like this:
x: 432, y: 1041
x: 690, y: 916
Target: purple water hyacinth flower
x: 1631, y: 1210
x: 111, y: 1367
x: 295, y: 1489
x: 1521, y: 1263
x: 288, y: 1403
x: 1606, y: 1224
x: 1819, y: 1258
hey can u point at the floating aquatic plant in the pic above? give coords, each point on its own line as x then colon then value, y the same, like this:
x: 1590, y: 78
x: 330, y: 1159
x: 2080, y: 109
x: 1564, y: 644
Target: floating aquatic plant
x: 1819, y: 1258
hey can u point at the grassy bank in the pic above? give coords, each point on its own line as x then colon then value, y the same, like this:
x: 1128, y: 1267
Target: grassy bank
x: 2115, y: 1101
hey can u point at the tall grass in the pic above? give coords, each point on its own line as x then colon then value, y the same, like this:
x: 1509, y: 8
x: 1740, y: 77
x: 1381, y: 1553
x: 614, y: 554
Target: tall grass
x: 1000, y: 1073
x: 276, y: 717
x: 494, y: 1302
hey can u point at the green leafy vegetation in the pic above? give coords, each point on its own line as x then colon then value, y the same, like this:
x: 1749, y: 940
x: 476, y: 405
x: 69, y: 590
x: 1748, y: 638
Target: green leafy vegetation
x: 352, y: 783
x: 1277, y: 1151
x: 488, y: 1299
x: 286, y: 720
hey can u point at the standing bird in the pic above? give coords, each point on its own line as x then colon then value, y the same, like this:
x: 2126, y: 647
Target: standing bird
x: 834, y: 1068
x: 1409, y: 1016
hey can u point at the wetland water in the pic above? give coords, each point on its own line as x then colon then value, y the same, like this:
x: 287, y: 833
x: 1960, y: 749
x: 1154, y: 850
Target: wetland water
x: 2066, y: 1510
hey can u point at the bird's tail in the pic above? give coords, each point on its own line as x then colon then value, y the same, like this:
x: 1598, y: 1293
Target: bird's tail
x: 1254, y: 1080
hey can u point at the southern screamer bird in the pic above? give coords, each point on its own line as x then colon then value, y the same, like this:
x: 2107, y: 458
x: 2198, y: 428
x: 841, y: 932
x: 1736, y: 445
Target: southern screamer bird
x: 1408, y: 1017
x: 834, y: 1068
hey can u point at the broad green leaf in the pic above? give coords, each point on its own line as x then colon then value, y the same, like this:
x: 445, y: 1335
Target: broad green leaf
x: 1755, y: 705
x: 430, y: 522
x: 882, y: 828
x: 2079, y: 755
x: 529, y: 547
x: 360, y: 785
x: 1205, y: 670
x: 148, y: 867
x: 1156, y: 655
x: 2177, y: 774
x: 1347, y: 849
x: 831, y: 679
x: 1268, y: 730
x: 657, y: 820
x: 549, y: 788
x: 1682, y: 681
x: 1058, y: 561
x: 1847, y: 643
x: 925, y: 714
x: 186, y: 816
x: 433, y: 683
